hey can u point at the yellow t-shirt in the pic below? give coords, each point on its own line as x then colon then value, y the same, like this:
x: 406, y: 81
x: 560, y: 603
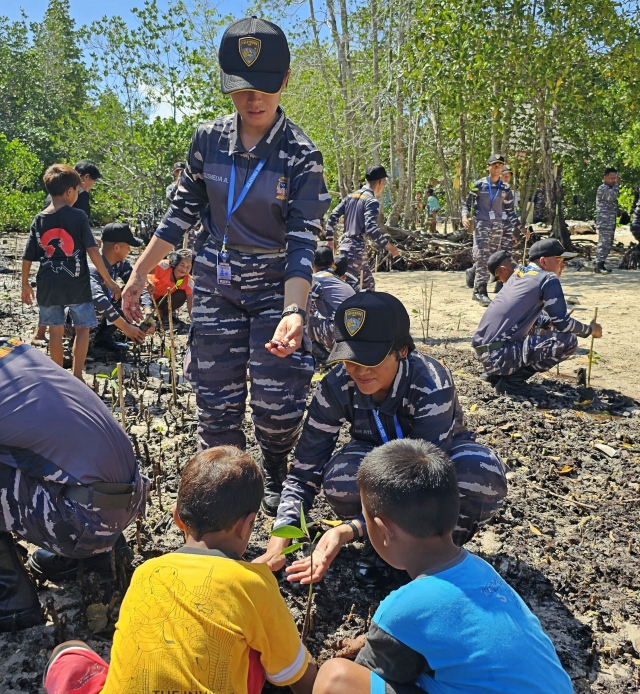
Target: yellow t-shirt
x: 189, y: 622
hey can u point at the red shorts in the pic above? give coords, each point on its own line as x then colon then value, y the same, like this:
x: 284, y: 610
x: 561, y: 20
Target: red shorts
x: 75, y: 669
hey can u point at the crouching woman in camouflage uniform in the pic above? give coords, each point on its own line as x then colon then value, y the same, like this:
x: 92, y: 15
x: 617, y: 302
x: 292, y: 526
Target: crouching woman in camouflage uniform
x: 258, y: 180
x: 385, y: 390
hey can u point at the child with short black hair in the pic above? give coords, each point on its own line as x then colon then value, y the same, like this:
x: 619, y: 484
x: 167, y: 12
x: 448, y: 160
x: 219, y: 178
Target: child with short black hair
x: 60, y: 240
x: 198, y: 619
x: 457, y: 626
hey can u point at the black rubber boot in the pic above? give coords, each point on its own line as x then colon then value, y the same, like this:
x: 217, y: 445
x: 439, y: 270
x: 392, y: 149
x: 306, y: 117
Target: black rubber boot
x: 470, y: 276
x: 515, y: 383
x: 19, y: 604
x: 274, y: 471
x: 492, y: 379
x: 370, y: 570
x: 48, y: 566
x: 601, y: 269
x: 105, y: 339
x: 497, y: 286
x: 480, y: 294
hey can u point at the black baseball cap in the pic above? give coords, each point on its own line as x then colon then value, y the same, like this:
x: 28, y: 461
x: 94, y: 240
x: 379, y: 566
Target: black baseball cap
x: 506, y: 169
x: 494, y: 158
x: 366, y: 326
x: 253, y: 54
x: 120, y: 232
x: 495, y: 261
x: 376, y: 173
x: 179, y: 165
x: 549, y: 248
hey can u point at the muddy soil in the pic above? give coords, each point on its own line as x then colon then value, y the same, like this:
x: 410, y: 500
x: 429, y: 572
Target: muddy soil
x: 566, y: 538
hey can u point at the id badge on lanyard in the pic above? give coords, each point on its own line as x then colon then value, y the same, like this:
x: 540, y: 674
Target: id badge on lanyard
x: 492, y: 214
x: 223, y: 270
x: 381, y: 430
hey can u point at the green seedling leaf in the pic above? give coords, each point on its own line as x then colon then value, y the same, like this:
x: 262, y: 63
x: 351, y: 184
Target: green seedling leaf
x: 317, y: 536
x: 102, y: 376
x: 303, y: 522
x: 292, y: 548
x: 167, y: 352
x: 114, y: 373
x: 288, y: 531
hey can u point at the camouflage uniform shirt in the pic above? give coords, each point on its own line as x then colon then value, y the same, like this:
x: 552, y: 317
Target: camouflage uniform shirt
x: 284, y: 206
x: 479, y: 202
x: 103, y: 303
x: 423, y: 398
x: 360, y: 211
x: 515, y: 310
x: 607, y: 205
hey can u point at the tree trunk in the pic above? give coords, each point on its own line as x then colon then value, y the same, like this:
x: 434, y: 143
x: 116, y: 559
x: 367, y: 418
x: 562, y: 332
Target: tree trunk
x: 464, y: 182
x: 376, y: 139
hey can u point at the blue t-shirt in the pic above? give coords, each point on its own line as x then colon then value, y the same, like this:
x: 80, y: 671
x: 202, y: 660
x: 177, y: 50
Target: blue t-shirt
x: 464, y: 629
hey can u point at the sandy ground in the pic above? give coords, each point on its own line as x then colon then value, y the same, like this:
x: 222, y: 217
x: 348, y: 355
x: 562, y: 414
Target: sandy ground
x: 455, y: 316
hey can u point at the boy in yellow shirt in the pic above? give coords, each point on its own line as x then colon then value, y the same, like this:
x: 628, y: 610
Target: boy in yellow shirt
x: 198, y: 619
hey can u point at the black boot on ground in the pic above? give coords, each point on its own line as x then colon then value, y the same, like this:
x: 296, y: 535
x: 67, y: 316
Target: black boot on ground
x: 497, y: 287
x: 274, y: 471
x: 488, y: 378
x: 19, y: 604
x: 48, y: 566
x: 515, y: 383
x: 480, y: 294
x: 105, y: 339
x: 601, y: 269
x: 470, y: 276
x: 370, y: 571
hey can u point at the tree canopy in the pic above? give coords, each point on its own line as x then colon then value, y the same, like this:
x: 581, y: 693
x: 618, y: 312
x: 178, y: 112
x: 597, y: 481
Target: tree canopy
x: 429, y: 89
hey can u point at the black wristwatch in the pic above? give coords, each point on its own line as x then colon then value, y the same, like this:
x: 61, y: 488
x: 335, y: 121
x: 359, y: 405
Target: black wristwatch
x: 292, y: 308
x: 354, y: 527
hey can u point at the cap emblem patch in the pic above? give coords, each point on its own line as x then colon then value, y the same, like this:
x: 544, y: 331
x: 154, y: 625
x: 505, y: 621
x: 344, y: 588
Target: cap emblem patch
x: 354, y: 320
x: 249, y: 48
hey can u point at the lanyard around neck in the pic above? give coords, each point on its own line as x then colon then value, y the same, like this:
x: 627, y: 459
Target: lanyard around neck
x: 381, y: 429
x: 493, y: 197
x: 233, y: 206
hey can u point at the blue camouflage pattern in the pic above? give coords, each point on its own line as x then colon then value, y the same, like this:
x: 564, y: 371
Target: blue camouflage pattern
x: 635, y: 215
x: 479, y: 202
x: 529, y: 314
x: 606, y: 215
x: 487, y: 239
x: 284, y: 207
x: 424, y: 399
x: 327, y: 293
x: 230, y: 326
x: 355, y: 251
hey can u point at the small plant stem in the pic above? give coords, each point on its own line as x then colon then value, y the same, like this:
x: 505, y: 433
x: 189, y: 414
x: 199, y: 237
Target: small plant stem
x: 123, y: 412
x: 307, y: 617
x: 361, y: 279
x: 429, y: 308
x: 595, y: 317
x: 173, y: 350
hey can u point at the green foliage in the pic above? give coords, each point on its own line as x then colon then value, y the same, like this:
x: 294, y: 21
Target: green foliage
x: 19, y: 170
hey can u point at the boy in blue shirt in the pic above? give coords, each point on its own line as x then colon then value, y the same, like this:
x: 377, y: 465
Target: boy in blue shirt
x: 458, y: 626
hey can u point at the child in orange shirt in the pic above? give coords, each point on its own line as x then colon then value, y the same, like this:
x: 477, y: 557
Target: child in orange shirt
x: 172, y: 274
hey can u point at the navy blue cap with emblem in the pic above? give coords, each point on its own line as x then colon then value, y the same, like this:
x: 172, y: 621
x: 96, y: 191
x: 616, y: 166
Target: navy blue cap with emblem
x: 366, y: 326
x: 494, y: 158
x: 253, y: 55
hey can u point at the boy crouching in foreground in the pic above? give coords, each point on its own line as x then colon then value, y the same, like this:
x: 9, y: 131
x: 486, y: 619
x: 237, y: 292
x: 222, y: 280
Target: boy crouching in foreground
x: 458, y: 626
x: 198, y: 619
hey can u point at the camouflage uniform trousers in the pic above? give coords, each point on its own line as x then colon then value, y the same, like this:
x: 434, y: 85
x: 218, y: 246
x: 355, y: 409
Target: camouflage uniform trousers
x: 230, y: 326
x: 487, y: 237
x: 481, y: 478
x: 321, y: 329
x: 507, y: 241
x: 606, y: 232
x: 541, y: 351
x: 37, y: 511
x: 356, y: 251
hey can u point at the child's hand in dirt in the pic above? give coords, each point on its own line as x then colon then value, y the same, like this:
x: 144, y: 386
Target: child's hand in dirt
x: 115, y: 290
x: 349, y: 648
x: 27, y: 294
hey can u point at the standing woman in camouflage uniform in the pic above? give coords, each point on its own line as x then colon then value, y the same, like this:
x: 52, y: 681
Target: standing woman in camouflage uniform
x: 492, y: 206
x: 261, y: 177
x: 606, y: 215
x: 360, y: 211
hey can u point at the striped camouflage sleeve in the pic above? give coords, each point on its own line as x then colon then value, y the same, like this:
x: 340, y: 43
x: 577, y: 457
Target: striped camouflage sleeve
x: 435, y: 405
x: 371, y: 228
x: 556, y: 308
x: 313, y: 451
x: 308, y: 202
x: 334, y: 218
x: 508, y: 207
x: 469, y: 203
x: 191, y: 194
x: 101, y: 301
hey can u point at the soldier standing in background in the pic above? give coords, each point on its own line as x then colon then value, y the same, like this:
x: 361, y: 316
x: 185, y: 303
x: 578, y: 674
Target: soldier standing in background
x: 491, y: 201
x: 360, y: 210
x: 606, y: 214
x: 635, y: 216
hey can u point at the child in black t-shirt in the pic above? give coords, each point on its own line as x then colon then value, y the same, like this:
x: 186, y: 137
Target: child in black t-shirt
x: 60, y: 239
